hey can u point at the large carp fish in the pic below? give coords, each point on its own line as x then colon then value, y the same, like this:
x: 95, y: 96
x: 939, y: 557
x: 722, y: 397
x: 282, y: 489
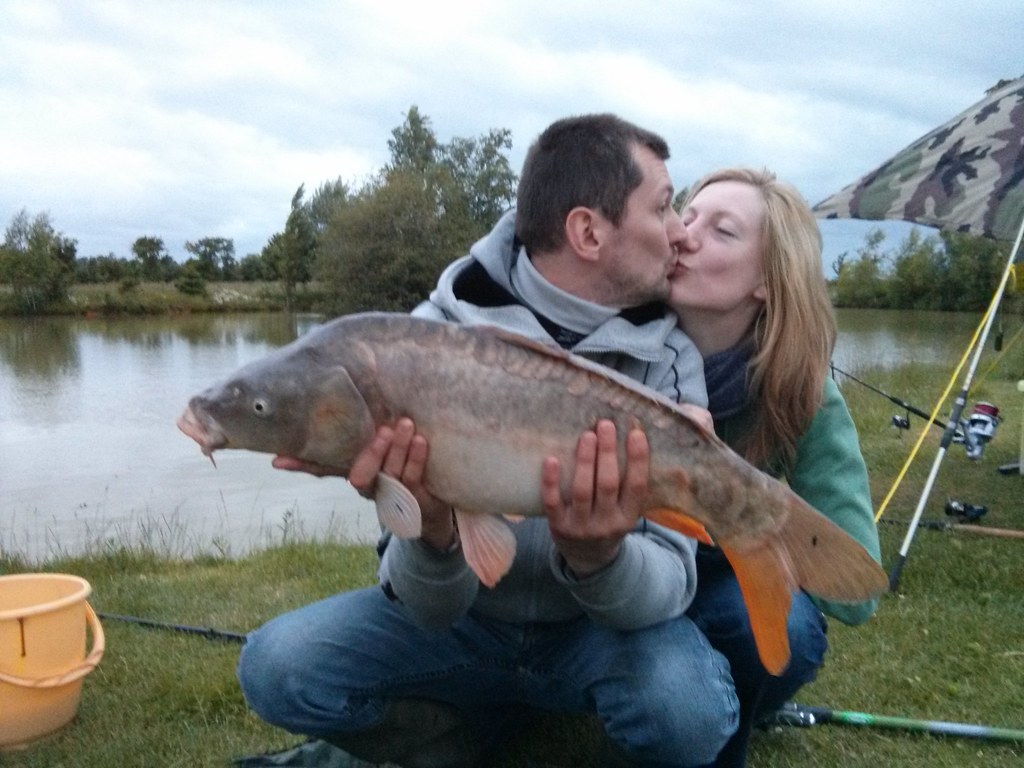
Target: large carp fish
x: 492, y: 405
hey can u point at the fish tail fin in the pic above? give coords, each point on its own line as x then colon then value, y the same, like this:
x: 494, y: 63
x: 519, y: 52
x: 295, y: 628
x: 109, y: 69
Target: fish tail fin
x: 679, y: 522
x: 827, y: 561
x: 806, y: 551
x: 767, y: 584
x: 488, y: 545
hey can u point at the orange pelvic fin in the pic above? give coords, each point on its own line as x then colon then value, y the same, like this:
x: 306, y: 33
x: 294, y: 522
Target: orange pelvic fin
x: 488, y: 545
x: 767, y: 583
x: 682, y: 523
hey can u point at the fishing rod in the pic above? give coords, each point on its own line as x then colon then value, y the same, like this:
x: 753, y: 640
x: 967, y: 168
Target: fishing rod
x: 892, y: 398
x: 958, y: 406
x: 208, y: 632
x: 806, y: 716
x: 945, y: 525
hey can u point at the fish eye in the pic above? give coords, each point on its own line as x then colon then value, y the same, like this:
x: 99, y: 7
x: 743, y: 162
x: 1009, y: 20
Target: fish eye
x: 260, y: 407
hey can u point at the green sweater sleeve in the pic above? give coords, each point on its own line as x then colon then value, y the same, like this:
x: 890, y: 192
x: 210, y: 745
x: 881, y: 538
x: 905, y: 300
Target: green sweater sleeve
x: 830, y: 474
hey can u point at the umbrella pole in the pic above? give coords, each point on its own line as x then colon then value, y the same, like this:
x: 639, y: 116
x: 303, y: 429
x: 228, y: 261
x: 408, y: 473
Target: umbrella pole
x: 954, y: 419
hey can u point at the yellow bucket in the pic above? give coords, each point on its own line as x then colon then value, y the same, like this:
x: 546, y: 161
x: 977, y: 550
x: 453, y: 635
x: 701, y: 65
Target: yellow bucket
x: 43, y: 620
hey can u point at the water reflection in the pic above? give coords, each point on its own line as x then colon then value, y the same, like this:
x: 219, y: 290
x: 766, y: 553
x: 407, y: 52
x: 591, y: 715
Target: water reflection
x: 90, y: 454
x: 38, y: 348
x: 887, y: 338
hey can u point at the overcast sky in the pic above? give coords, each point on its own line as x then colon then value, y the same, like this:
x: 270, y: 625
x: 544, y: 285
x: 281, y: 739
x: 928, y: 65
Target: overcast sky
x: 185, y: 120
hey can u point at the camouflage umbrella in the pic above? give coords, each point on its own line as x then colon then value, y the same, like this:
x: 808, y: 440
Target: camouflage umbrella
x: 966, y: 175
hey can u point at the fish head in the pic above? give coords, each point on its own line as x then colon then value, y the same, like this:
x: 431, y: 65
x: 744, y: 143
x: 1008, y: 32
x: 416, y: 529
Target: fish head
x: 289, y: 404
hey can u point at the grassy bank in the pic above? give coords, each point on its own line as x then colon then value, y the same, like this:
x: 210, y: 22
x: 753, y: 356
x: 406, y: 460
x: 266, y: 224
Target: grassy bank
x: 948, y: 647
x: 163, y: 298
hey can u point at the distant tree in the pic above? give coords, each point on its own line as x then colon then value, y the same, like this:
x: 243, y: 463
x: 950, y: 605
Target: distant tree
x: 129, y: 283
x: 953, y: 272
x: 169, y: 268
x: 861, y: 282
x: 976, y: 266
x: 838, y: 261
x: 36, y: 261
x: 413, y: 145
x: 295, y: 256
x: 272, y: 255
x: 328, y: 198
x: 191, y: 280
x: 388, y: 249
x: 104, y: 269
x: 253, y: 267
x: 215, y: 257
x: 385, y: 244
x: 919, y: 271
x: 471, y: 177
x: 483, y: 177
x: 149, y: 251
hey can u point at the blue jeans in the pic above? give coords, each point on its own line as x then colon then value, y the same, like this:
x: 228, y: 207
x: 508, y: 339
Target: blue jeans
x: 663, y: 694
x: 719, y: 612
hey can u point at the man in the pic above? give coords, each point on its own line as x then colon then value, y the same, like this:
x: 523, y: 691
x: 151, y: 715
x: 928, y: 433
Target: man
x: 591, y: 616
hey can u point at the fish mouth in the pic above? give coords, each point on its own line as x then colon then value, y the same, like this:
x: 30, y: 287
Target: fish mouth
x: 204, y: 431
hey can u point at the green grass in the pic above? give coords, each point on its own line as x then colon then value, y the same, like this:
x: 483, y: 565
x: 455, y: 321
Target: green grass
x: 162, y: 698
x: 949, y: 646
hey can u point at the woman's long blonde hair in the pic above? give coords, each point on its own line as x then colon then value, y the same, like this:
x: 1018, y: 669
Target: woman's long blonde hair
x: 795, y: 333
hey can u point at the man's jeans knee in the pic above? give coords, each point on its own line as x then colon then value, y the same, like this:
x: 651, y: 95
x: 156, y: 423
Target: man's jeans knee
x: 332, y: 670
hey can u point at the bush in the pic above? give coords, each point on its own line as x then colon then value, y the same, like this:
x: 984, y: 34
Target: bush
x: 191, y: 281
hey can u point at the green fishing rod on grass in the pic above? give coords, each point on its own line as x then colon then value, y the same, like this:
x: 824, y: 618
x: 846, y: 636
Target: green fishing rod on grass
x: 806, y: 716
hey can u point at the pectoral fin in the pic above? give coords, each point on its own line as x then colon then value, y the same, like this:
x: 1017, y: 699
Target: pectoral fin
x: 488, y: 545
x: 767, y: 584
x: 397, y: 508
x: 340, y: 423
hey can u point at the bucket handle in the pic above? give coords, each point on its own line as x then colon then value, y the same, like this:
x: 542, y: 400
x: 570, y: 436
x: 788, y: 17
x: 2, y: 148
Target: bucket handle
x: 88, y: 665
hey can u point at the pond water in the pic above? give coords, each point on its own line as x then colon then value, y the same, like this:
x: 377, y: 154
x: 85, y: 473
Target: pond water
x: 90, y: 453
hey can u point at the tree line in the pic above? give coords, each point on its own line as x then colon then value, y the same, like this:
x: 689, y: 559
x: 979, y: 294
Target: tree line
x: 377, y: 245
x: 382, y: 243
x: 949, y: 272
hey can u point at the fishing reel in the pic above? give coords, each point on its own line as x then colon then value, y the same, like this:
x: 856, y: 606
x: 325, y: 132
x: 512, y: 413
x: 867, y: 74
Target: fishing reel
x: 964, y: 512
x: 979, y: 429
x: 901, y: 423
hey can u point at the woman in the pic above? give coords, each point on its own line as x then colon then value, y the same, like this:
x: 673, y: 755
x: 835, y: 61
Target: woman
x: 750, y: 292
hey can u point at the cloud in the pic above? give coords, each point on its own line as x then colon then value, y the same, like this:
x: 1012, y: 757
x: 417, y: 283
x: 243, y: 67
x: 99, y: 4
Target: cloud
x: 194, y: 119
